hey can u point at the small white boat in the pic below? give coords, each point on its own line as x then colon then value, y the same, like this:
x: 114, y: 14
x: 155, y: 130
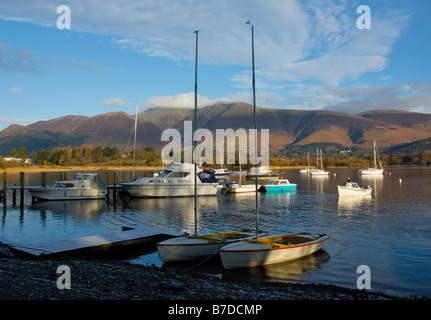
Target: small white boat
x: 82, y: 186
x: 176, y: 180
x: 353, y: 189
x: 270, y: 250
x: 277, y: 185
x: 240, y: 188
x: 317, y: 171
x: 261, y: 172
x: 221, y: 172
x: 197, y: 247
x: 376, y: 169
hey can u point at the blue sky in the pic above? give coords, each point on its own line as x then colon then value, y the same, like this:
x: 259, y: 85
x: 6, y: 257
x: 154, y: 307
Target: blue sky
x: 310, y: 55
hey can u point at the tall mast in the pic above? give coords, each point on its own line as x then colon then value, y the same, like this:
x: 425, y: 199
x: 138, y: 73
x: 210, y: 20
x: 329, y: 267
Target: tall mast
x: 254, y: 125
x: 194, y: 129
x: 134, y: 143
x: 374, y: 148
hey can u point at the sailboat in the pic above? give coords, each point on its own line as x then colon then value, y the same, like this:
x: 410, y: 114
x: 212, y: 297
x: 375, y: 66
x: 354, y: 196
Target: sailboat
x: 268, y: 249
x: 374, y: 170
x: 306, y: 170
x: 197, y: 246
x: 317, y: 171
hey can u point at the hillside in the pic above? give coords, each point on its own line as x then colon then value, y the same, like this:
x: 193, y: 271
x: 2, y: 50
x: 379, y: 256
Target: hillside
x: 289, y: 129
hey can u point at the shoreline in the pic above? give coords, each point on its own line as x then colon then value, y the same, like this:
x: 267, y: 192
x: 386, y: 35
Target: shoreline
x: 107, y: 279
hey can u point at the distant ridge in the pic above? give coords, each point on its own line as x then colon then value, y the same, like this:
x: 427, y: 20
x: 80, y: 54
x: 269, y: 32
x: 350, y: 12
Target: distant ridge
x: 289, y: 129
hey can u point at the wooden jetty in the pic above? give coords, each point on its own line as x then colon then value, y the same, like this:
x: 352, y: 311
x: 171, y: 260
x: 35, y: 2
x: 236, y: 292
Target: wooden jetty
x: 97, y: 245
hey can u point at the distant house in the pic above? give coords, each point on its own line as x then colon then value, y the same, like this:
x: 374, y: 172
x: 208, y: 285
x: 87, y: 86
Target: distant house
x: 9, y: 159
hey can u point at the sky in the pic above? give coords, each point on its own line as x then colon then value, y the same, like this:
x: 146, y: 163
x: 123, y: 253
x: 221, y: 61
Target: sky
x: 309, y: 55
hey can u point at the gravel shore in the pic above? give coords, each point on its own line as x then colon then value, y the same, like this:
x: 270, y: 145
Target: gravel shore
x: 29, y: 279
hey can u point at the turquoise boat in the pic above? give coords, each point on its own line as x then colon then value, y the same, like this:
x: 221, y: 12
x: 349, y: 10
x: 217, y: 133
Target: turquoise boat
x: 278, y: 185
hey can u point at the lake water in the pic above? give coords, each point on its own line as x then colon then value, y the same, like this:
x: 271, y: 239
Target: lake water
x: 390, y: 231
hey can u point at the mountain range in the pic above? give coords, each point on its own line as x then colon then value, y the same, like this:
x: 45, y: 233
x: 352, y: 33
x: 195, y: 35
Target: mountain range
x: 299, y: 130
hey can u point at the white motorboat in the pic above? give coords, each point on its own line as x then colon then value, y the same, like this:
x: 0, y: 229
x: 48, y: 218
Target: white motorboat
x: 261, y: 172
x: 234, y: 187
x: 268, y: 249
x: 82, y: 186
x: 353, y: 189
x: 278, y: 185
x: 221, y: 172
x: 377, y: 169
x: 176, y: 180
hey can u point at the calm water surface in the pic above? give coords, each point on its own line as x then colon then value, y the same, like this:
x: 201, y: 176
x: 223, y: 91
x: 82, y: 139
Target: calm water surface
x: 389, y: 231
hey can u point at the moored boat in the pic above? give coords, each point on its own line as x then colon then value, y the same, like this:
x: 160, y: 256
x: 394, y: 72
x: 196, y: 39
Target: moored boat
x: 377, y: 168
x: 188, y: 248
x: 261, y: 172
x: 82, y: 186
x: 270, y: 250
x: 176, y: 180
x: 221, y: 172
x: 353, y: 189
x: 234, y: 187
x: 277, y: 185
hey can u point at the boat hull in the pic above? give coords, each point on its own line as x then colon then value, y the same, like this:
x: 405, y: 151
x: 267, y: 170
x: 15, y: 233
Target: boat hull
x: 241, y: 189
x: 371, y: 171
x: 159, y: 190
x: 277, y: 189
x: 69, y: 194
x: 193, y: 248
x: 247, y: 254
x: 345, y: 191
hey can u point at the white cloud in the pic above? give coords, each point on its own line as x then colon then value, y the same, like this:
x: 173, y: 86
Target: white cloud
x: 415, y: 97
x: 114, y: 102
x: 294, y: 39
x: 182, y: 100
x: 15, y: 90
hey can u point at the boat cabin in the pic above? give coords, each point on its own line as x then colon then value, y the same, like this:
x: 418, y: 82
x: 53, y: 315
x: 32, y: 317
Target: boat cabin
x: 278, y: 182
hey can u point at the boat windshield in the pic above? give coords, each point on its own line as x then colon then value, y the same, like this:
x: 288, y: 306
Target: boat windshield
x: 164, y: 173
x: 273, y: 182
x: 62, y: 185
x: 178, y: 174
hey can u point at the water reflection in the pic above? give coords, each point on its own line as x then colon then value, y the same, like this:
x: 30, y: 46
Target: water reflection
x: 349, y: 205
x: 83, y: 208
x: 287, y: 271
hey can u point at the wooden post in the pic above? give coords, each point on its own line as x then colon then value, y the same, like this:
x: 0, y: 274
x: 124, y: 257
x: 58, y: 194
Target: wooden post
x: 43, y: 179
x: 14, y: 197
x: 22, y: 183
x: 114, y: 195
x: 4, y: 188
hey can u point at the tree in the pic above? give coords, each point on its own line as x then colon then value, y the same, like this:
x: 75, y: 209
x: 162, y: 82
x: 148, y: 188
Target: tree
x: 13, y: 152
x: 22, y: 154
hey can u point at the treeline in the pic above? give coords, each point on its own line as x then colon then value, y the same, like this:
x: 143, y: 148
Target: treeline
x: 87, y: 154
x: 393, y: 159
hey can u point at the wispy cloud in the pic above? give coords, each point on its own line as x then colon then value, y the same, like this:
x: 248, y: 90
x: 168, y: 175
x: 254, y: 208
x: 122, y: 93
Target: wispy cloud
x: 182, y: 100
x: 20, y: 60
x: 114, y: 102
x: 15, y: 90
